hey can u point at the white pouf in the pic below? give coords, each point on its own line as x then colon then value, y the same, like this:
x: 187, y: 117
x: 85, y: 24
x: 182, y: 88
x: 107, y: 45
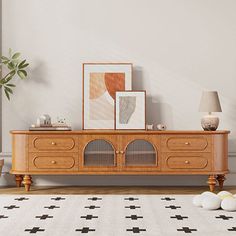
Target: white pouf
x: 212, y: 202
x: 229, y: 204
x: 224, y: 194
x: 197, y: 201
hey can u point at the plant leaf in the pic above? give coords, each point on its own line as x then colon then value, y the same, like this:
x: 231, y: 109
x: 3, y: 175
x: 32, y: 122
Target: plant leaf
x: 8, y: 90
x: 23, y: 66
x: 22, y: 74
x: 7, y: 94
x: 4, y: 58
x: 16, y: 55
x: 11, y: 66
x: 22, y: 63
x: 10, y: 85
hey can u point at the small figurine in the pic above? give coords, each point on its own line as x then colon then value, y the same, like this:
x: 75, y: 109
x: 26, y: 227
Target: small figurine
x: 149, y: 127
x: 44, y: 121
x: 161, y: 127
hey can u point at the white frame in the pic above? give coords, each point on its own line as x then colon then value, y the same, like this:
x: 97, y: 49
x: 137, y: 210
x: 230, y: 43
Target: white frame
x: 102, y: 67
x: 141, y: 109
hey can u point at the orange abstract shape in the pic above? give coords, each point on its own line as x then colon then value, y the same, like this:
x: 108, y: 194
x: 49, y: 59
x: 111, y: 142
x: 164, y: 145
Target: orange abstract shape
x: 114, y: 82
x: 97, y: 85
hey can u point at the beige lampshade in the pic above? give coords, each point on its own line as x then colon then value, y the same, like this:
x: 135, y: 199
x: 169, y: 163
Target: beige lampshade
x: 210, y: 102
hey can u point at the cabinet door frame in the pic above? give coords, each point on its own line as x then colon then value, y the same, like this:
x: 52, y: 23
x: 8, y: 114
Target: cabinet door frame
x: 154, y: 140
x: 84, y: 142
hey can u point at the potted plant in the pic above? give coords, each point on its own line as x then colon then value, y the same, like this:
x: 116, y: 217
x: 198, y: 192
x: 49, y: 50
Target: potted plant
x: 16, y: 68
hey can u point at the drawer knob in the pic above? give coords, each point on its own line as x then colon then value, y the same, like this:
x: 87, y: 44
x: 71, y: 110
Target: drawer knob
x: 187, y: 162
x: 187, y: 143
x: 53, y: 162
x: 117, y: 152
x: 121, y: 152
x: 53, y: 143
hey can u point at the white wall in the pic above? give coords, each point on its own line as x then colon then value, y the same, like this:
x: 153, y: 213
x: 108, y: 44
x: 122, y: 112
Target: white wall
x: 178, y: 48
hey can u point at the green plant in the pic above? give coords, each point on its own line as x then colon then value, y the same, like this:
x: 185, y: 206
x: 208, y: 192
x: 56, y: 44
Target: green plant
x: 15, y: 67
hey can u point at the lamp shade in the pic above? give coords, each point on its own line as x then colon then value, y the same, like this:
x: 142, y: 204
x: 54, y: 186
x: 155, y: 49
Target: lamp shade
x: 210, y: 102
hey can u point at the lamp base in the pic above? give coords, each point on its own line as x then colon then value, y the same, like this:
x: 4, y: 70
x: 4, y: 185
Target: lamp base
x: 210, y: 122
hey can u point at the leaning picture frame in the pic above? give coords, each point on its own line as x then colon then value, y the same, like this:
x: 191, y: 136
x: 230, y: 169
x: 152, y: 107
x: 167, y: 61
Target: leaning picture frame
x: 130, y: 110
x: 100, y: 83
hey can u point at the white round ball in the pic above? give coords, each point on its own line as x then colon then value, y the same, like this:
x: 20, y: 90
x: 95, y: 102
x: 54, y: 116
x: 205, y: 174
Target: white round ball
x: 197, y: 201
x: 211, y: 202
x: 229, y: 204
x: 208, y: 193
x: 224, y: 194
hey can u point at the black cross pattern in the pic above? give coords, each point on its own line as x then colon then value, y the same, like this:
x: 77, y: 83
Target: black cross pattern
x: 172, y: 207
x: 2, y: 216
x: 167, y: 199
x: 92, y: 207
x: 179, y: 217
x: 232, y: 229
x: 223, y: 217
x: 51, y: 207
x: 94, y: 198
x: 136, y: 230
x: 187, y: 230
x: 43, y: 217
x: 11, y: 207
x: 132, y: 207
x: 58, y: 198
x: 85, y: 230
x: 131, y: 199
x: 134, y: 217
x: 35, y: 230
x: 89, y: 217
x: 21, y: 199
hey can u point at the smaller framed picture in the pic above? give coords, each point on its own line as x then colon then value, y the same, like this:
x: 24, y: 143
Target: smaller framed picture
x: 130, y: 110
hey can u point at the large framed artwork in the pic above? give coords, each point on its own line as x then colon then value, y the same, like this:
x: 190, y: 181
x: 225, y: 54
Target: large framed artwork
x: 130, y: 110
x: 101, y: 81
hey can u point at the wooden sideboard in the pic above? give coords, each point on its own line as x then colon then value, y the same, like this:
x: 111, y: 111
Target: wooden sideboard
x: 114, y: 152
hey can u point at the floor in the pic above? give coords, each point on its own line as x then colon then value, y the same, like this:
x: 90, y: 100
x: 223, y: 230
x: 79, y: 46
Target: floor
x: 111, y: 190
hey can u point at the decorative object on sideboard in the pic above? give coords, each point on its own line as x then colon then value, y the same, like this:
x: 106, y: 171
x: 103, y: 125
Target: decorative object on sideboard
x: 210, y: 103
x: 149, y: 126
x: 44, y: 124
x: 161, y: 127
x: 1, y: 165
x: 100, y: 82
x: 130, y: 110
x: 44, y: 121
x: 16, y: 68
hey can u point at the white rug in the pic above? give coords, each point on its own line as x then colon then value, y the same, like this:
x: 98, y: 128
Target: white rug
x: 110, y: 215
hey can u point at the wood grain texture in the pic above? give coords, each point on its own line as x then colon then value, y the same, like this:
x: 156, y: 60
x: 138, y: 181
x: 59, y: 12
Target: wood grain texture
x: 176, y: 152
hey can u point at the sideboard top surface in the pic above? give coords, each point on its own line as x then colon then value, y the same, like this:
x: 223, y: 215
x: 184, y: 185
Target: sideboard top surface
x: 201, y: 132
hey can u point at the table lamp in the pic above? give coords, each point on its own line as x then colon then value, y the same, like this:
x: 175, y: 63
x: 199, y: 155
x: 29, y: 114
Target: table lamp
x: 210, y: 103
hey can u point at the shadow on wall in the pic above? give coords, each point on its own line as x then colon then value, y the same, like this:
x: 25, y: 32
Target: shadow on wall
x: 157, y: 112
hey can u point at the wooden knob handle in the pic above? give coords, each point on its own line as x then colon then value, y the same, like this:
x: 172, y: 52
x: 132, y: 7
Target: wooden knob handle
x: 186, y: 162
x: 53, y: 162
x: 117, y: 152
x: 121, y: 152
x: 53, y: 143
x: 187, y: 143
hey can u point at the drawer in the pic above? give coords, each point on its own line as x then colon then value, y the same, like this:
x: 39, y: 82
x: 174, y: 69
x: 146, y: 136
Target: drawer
x: 53, y: 162
x: 184, y: 161
x: 53, y: 143
x: 186, y: 143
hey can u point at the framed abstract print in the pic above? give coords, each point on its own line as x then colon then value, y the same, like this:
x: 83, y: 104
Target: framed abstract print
x: 130, y: 110
x: 101, y: 81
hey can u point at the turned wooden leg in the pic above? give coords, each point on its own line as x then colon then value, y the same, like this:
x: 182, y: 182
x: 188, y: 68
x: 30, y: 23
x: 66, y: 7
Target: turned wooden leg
x: 18, y: 179
x: 212, y: 182
x: 27, y: 181
x: 221, y: 179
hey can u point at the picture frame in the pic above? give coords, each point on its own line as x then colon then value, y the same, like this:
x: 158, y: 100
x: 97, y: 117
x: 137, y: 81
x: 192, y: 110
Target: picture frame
x: 130, y: 110
x: 100, y: 83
